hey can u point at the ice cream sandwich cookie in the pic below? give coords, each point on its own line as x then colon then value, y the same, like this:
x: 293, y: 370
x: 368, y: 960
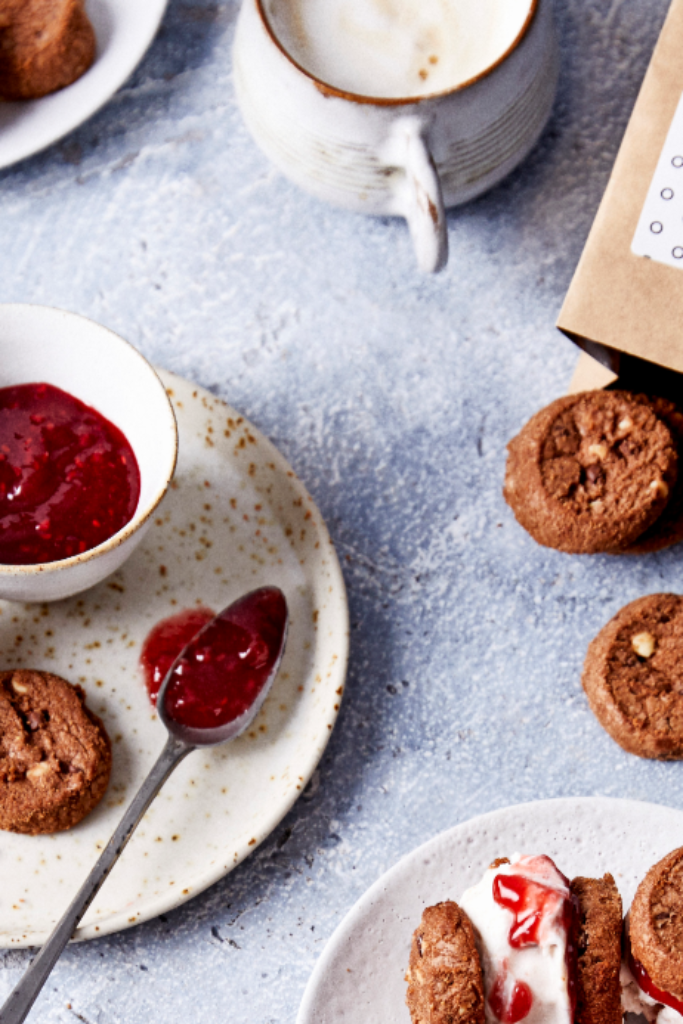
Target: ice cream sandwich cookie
x: 549, y: 951
x: 652, y: 976
x: 596, y: 943
x: 445, y: 984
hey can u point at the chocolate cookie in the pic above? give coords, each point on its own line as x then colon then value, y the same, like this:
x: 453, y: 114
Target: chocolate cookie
x: 633, y: 677
x: 445, y: 983
x: 55, y: 757
x: 597, y: 941
x: 656, y: 924
x: 44, y: 46
x: 591, y: 472
x: 668, y: 528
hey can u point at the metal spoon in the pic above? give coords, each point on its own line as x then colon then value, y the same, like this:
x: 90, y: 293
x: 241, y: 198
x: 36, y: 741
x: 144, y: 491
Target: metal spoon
x: 181, y: 741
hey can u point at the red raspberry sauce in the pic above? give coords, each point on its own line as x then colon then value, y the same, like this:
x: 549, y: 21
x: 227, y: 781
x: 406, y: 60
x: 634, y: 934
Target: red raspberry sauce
x: 646, y: 983
x: 226, y: 665
x: 534, y: 906
x: 510, y: 1006
x: 165, y: 642
x: 68, y: 477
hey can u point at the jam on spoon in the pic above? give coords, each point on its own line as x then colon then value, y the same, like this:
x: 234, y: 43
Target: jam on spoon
x: 220, y: 676
x: 249, y: 637
x: 196, y: 652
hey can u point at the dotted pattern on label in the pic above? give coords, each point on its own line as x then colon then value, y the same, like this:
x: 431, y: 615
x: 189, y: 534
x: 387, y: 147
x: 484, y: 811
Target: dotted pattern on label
x: 659, y: 234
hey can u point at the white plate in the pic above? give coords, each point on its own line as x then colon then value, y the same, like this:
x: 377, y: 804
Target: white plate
x: 236, y: 517
x: 359, y: 978
x: 124, y: 29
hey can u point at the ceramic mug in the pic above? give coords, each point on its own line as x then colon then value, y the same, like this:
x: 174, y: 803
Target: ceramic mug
x: 407, y: 156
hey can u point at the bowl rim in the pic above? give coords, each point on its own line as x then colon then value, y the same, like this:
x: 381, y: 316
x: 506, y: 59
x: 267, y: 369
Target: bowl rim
x: 141, y: 515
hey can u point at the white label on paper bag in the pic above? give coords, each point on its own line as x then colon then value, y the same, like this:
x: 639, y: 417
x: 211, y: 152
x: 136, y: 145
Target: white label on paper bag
x: 659, y: 234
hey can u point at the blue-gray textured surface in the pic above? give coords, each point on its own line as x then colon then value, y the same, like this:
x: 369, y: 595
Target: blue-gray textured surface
x: 393, y: 396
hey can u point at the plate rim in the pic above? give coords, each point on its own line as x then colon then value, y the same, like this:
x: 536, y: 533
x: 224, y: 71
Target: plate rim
x: 119, y: 921
x: 348, y: 921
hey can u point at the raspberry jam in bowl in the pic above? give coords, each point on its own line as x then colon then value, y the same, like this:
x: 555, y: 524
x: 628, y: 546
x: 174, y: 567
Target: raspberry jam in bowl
x: 69, y: 479
x: 88, y: 446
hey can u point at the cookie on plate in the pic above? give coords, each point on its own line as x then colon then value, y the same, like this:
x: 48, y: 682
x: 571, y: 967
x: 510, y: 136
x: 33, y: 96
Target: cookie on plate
x: 655, y: 924
x: 44, y: 46
x: 55, y: 756
x: 445, y: 982
x: 633, y: 677
x: 597, y: 942
x: 591, y: 472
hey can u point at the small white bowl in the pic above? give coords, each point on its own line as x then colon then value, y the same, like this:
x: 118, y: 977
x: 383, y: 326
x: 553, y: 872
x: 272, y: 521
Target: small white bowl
x: 39, y: 344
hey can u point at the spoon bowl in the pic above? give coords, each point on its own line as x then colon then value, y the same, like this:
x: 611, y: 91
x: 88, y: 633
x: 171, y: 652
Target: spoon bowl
x: 246, y: 641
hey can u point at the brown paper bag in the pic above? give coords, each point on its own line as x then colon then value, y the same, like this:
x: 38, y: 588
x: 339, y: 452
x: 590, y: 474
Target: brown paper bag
x: 625, y: 302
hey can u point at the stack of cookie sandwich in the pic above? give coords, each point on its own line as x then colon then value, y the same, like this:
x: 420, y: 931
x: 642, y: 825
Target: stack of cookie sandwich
x: 526, y: 944
x: 598, y: 472
x: 652, y: 972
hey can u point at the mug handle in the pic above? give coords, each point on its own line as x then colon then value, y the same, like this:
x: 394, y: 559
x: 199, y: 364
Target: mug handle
x: 418, y: 192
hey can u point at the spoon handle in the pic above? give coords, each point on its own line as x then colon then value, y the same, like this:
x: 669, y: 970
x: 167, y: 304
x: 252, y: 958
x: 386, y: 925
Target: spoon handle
x: 25, y: 992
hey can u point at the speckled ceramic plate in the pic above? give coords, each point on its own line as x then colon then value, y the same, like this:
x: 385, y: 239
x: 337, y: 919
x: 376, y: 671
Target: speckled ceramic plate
x: 236, y: 518
x: 124, y: 30
x: 359, y: 978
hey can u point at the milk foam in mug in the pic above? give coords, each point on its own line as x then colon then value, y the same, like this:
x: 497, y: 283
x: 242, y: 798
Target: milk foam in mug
x: 396, y: 48
x: 397, y: 106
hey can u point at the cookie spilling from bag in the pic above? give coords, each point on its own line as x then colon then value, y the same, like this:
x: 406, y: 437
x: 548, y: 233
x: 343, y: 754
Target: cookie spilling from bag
x: 633, y: 677
x: 524, y: 944
x: 55, y: 755
x: 45, y: 45
x: 598, y: 472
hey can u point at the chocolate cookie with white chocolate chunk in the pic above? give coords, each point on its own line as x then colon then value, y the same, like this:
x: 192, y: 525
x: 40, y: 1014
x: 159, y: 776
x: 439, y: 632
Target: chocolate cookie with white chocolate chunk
x: 633, y: 677
x: 591, y: 472
x: 55, y: 756
x: 667, y: 529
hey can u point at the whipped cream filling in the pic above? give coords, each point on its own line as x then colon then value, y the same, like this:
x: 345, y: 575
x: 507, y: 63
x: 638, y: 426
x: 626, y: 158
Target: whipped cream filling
x: 536, y: 965
x: 635, y: 1000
